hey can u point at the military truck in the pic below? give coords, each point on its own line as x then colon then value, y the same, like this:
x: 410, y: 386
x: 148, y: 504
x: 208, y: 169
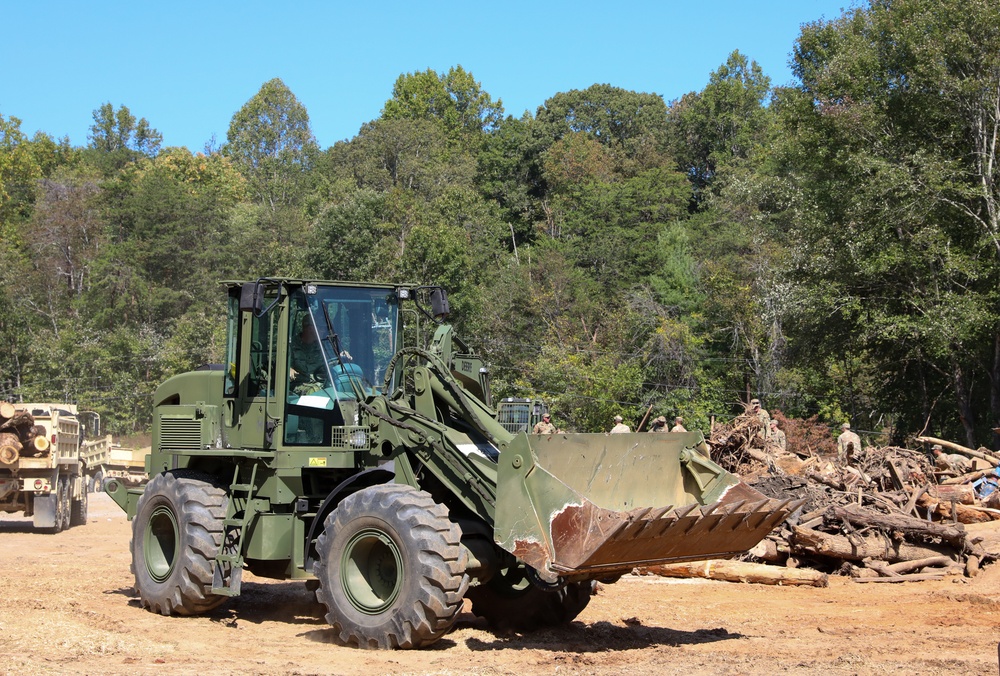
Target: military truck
x: 349, y: 440
x: 43, y: 477
x: 104, y: 459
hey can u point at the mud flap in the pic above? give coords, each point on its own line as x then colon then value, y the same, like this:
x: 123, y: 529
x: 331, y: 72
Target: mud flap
x: 589, y: 505
x: 45, y: 511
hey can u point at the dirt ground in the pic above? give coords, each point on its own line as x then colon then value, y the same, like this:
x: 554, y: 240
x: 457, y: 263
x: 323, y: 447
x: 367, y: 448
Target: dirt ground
x: 67, y: 606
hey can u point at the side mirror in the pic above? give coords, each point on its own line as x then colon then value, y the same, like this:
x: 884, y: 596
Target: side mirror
x: 439, y: 303
x: 251, y: 298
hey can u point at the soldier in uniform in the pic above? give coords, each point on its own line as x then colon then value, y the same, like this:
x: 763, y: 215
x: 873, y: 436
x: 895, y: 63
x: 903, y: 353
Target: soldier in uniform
x: 848, y: 443
x: 659, y: 425
x: 308, y: 371
x: 950, y: 462
x: 620, y: 427
x: 763, y: 416
x: 678, y: 426
x: 778, y: 437
x: 544, y: 426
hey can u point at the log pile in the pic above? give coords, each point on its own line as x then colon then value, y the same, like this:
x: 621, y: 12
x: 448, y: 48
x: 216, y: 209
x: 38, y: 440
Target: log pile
x: 20, y: 436
x: 884, y: 515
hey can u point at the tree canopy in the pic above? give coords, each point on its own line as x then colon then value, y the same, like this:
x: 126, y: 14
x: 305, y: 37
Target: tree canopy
x: 831, y: 246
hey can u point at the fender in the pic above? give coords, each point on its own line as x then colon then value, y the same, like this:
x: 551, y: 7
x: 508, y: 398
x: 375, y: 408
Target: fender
x: 385, y: 474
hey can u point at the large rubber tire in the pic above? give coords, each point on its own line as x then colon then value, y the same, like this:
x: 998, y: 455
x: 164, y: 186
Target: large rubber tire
x: 391, y: 568
x: 176, y: 535
x: 98, y: 480
x: 78, y: 512
x: 65, y: 498
x: 510, y: 602
x: 61, y: 518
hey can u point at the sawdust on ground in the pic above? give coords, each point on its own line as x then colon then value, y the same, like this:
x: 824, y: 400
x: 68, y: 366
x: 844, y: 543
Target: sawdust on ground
x: 67, y: 606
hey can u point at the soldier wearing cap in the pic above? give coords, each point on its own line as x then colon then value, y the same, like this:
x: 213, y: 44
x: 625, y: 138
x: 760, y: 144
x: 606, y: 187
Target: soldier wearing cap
x: 678, y: 426
x: 950, y: 462
x: 778, y: 439
x: 659, y: 425
x: 762, y: 416
x: 848, y: 443
x: 544, y: 426
x: 620, y: 427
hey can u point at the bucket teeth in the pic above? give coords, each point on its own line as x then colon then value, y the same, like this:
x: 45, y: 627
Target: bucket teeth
x: 654, y: 535
x: 651, y: 522
x: 684, y: 511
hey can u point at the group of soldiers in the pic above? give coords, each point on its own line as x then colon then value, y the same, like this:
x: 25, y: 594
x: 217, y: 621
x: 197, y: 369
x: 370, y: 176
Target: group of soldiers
x: 770, y: 432
x: 659, y: 425
x: 950, y: 462
x: 773, y: 436
x: 848, y: 443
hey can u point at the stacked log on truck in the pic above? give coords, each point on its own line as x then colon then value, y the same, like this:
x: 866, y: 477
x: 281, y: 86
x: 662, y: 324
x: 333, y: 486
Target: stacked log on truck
x: 41, y: 473
x: 19, y: 435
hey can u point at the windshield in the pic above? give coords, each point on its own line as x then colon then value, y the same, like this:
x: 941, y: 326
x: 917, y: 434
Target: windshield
x: 345, y: 338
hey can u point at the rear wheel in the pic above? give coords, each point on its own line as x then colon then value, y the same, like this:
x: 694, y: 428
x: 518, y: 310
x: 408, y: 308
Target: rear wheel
x: 78, y: 512
x: 391, y: 568
x: 60, y: 520
x: 66, y: 501
x: 509, y: 601
x: 176, y: 534
x: 98, y: 480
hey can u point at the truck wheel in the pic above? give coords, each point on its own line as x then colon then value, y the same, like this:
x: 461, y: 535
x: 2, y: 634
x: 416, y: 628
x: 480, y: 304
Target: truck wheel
x: 176, y: 534
x: 78, y: 512
x: 59, y: 519
x: 65, y: 500
x: 98, y: 480
x: 391, y: 568
x: 510, y: 602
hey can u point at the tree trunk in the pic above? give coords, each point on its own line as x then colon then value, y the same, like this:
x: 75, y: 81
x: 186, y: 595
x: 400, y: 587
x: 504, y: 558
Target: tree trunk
x: 858, y: 516
x: 916, y: 577
x: 741, y: 571
x: 980, y: 453
x: 19, y: 419
x: 995, y: 389
x: 10, y: 448
x: 965, y: 513
x: 966, y: 413
x: 815, y: 542
x: 963, y: 494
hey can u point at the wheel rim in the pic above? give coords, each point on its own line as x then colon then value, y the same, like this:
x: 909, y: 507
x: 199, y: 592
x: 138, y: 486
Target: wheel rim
x: 159, y: 544
x: 371, y: 571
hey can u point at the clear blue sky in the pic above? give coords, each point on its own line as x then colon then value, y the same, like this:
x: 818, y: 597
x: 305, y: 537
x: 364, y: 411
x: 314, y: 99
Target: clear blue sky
x: 187, y: 67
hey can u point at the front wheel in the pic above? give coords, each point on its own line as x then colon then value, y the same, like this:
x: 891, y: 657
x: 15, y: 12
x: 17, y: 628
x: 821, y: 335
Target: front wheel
x: 176, y: 534
x: 391, y: 568
x: 509, y: 601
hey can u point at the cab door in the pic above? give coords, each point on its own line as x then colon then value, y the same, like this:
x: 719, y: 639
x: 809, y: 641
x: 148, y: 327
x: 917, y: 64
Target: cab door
x: 251, y: 377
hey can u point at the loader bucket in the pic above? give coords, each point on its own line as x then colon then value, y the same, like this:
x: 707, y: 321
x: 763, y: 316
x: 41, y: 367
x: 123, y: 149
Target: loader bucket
x: 594, y: 505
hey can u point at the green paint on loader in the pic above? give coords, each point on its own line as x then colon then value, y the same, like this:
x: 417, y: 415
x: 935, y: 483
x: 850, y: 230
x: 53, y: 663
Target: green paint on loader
x: 339, y: 445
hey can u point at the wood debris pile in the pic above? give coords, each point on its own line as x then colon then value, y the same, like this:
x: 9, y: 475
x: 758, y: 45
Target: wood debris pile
x: 20, y: 436
x: 884, y: 514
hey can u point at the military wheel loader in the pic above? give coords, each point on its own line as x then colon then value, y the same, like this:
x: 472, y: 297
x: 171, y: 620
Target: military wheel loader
x: 350, y: 441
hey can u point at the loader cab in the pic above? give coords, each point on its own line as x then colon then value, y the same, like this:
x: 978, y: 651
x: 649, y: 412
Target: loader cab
x: 303, y: 355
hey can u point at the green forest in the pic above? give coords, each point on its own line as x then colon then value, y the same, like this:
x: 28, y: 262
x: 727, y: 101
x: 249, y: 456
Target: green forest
x: 831, y: 246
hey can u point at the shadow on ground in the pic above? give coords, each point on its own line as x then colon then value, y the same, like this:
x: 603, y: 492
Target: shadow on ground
x: 600, y: 637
